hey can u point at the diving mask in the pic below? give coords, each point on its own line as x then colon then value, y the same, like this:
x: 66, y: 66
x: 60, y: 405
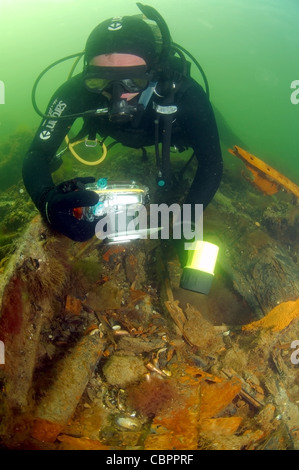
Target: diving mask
x: 115, y: 83
x: 97, y: 79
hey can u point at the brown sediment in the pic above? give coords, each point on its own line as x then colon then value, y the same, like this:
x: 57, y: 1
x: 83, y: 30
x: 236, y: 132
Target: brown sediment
x: 61, y: 399
x: 151, y: 396
x: 198, y: 380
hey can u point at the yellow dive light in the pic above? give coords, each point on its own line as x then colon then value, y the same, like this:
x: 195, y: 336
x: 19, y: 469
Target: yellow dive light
x: 198, y: 274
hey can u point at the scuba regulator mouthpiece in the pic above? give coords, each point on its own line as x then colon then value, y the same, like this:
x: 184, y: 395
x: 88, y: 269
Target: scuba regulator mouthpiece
x: 120, y: 111
x: 118, y: 84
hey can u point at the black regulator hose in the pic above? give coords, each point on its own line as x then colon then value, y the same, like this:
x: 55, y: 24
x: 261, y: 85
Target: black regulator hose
x: 33, y: 93
x: 197, y: 65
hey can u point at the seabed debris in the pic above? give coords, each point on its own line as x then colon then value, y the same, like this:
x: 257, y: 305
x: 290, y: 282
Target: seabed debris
x: 104, y: 351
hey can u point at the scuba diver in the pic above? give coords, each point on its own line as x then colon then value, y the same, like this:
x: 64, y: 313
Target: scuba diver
x: 138, y: 91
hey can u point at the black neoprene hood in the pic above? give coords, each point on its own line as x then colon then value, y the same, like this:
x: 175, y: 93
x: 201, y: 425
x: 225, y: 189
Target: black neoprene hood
x: 126, y: 35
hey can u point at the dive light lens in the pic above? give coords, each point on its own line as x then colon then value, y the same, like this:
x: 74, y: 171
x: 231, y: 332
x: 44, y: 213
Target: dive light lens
x: 198, y: 273
x: 203, y: 257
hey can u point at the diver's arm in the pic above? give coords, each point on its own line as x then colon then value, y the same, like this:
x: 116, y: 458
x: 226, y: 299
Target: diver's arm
x: 197, y: 119
x: 36, y: 172
x: 71, y: 98
x: 56, y: 203
x: 36, y: 176
x: 49, y: 136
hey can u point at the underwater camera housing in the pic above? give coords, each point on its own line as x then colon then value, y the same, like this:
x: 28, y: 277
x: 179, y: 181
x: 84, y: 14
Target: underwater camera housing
x: 114, y: 197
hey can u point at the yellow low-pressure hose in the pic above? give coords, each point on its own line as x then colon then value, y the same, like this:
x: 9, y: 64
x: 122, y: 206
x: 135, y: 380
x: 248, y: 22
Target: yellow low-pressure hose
x: 80, y: 159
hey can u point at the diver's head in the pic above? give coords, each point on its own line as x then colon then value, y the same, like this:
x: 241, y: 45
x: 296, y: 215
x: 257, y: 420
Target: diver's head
x: 124, y: 35
x: 128, y: 71
x: 119, y: 56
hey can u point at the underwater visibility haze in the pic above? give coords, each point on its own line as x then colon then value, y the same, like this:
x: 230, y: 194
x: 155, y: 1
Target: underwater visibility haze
x: 100, y: 346
x: 247, y: 50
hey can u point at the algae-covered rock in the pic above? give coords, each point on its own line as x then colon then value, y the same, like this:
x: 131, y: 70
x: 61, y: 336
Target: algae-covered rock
x: 123, y: 370
x: 11, y: 156
x: 107, y: 296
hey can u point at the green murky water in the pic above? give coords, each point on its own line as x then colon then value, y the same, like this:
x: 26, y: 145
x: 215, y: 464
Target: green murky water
x: 247, y: 49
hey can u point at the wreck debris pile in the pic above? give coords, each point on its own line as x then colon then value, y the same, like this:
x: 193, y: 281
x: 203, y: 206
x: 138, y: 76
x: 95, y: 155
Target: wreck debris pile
x: 137, y: 373
x: 105, y: 351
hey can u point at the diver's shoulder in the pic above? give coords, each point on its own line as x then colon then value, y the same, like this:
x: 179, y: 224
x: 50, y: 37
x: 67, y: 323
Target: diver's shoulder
x: 73, y: 84
x: 190, y: 85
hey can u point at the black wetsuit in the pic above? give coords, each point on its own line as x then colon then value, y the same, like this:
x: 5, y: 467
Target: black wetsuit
x: 194, y: 126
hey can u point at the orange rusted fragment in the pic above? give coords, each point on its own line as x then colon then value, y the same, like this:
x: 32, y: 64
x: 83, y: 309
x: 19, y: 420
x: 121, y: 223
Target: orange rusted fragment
x: 102, y: 281
x: 215, y: 397
x: 221, y: 426
x: 73, y: 305
x: 176, y: 428
x: 45, y: 431
x: 262, y: 171
x: 80, y: 443
x: 194, y: 375
x: 261, y: 182
x: 137, y: 295
x: 114, y: 250
x: 277, y: 319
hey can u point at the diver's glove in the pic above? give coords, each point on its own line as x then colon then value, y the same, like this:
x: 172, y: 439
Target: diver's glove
x: 56, y: 206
